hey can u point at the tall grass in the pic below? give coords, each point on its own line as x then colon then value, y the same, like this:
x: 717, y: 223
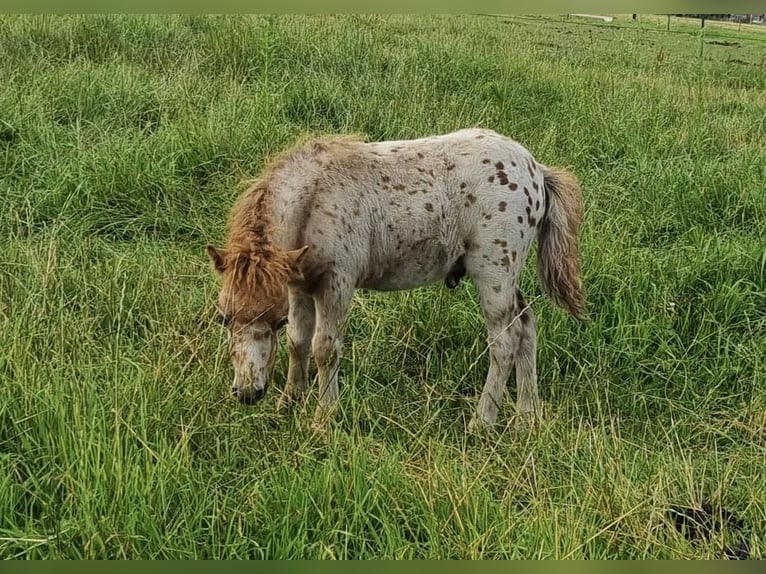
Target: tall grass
x: 122, y: 140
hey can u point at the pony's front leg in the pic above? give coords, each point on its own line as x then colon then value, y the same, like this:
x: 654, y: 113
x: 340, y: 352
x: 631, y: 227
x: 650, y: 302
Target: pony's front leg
x: 331, y: 304
x: 300, y: 330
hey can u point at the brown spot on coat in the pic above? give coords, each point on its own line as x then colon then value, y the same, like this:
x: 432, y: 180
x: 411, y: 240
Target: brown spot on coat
x: 491, y: 178
x: 470, y: 197
x: 485, y: 161
x: 429, y: 206
x: 450, y: 167
x: 496, y: 288
x: 501, y: 205
x: 513, y: 186
x: 462, y: 185
x: 499, y: 165
x: 506, y: 262
x: 399, y: 187
x: 521, y: 219
x: 385, y: 179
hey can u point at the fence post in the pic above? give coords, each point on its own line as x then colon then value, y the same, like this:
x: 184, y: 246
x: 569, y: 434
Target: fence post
x: 668, y: 22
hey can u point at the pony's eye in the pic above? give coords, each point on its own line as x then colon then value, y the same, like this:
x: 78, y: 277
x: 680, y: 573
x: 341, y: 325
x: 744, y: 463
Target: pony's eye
x: 223, y: 319
x: 281, y: 323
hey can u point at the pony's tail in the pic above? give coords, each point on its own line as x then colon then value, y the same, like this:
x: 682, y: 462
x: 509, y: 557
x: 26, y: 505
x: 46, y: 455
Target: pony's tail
x: 559, y: 263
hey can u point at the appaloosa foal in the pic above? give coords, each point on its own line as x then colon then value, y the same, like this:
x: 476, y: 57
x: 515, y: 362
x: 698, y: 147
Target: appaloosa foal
x: 337, y: 214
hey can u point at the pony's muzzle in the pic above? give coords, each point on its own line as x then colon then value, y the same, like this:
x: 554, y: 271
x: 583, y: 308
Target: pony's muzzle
x: 248, y: 395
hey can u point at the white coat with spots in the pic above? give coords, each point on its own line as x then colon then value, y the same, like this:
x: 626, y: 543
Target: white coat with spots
x: 337, y: 214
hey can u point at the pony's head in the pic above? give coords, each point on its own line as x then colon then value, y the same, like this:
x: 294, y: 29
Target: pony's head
x: 253, y: 304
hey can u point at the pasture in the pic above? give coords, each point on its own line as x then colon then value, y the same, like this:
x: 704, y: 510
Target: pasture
x: 122, y: 143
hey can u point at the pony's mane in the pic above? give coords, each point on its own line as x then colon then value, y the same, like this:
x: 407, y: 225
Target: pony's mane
x: 258, y: 262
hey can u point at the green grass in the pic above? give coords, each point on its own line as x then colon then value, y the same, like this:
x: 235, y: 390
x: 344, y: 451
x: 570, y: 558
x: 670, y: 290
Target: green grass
x: 122, y: 140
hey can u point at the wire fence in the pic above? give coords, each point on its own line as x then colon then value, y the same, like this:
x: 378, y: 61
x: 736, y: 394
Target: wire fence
x: 654, y: 23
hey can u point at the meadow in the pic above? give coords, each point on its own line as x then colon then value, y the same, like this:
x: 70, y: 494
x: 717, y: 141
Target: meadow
x: 123, y: 140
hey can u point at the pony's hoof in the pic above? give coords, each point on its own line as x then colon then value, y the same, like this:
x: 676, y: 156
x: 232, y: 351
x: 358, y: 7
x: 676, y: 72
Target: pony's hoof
x: 284, y: 404
x: 320, y: 429
x: 528, y: 418
x: 318, y: 426
x: 324, y: 414
x: 287, y: 401
x: 479, y: 426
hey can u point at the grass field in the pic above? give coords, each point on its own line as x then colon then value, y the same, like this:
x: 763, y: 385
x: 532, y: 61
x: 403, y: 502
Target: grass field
x: 122, y: 141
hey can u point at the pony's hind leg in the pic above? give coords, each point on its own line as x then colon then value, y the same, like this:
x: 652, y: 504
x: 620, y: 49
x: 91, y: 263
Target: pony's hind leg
x: 511, y: 338
x: 528, y: 400
x: 300, y: 330
x: 497, y: 306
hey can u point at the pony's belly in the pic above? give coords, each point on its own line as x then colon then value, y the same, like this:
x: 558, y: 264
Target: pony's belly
x: 396, y: 282
x: 420, y: 267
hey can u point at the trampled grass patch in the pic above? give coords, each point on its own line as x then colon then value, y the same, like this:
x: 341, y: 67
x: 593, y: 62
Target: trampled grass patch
x: 122, y: 142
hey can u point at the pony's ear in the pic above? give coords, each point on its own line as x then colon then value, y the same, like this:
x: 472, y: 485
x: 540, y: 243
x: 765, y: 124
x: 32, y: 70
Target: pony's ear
x: 217, y: 257
x: 294, y: 258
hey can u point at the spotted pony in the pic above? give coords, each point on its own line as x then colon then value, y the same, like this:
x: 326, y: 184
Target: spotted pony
x: 335, y: 214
